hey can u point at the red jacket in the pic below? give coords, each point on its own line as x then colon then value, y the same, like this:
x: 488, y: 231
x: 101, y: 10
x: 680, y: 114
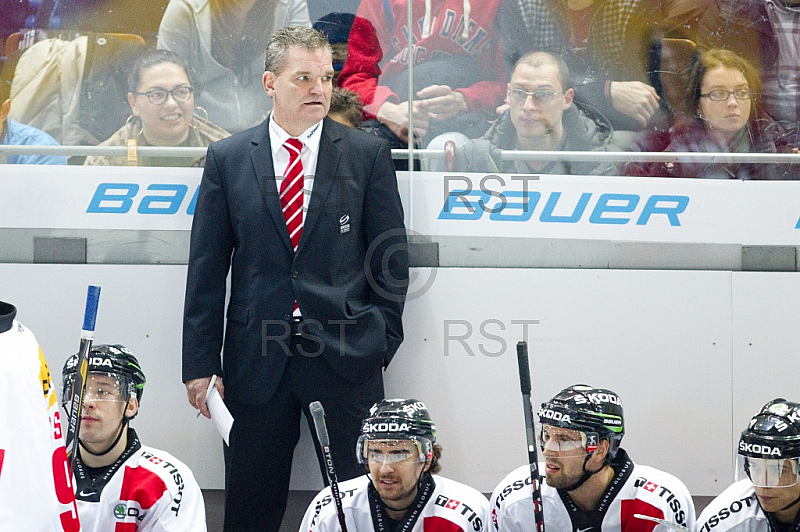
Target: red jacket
x: 378, y: 49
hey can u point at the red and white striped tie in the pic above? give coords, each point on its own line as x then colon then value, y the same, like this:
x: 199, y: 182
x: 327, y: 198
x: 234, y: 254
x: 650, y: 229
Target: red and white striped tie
x: 291, y: 192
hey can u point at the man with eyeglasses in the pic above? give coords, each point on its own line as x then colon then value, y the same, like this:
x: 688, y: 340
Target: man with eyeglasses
x: 766, y: 494
x: 401, y: 490
x: 122, y: 484
x: 591, y: 484
x: 542, y: 117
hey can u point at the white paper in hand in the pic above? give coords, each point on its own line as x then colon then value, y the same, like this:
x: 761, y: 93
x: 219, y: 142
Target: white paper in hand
x: 219, y: 414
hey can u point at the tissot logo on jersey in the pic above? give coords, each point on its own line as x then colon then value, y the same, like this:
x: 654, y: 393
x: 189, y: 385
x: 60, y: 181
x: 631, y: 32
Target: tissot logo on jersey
x: 326, y: 500
x: 451, y: 504
x: 755, y: 448
x: 679, y: 513
x: 734, y: 508
x: 509, y: 489
x: 177, y: 478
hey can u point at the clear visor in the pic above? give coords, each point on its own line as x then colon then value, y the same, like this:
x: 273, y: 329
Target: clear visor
x: 767, y: 472
x: 372, y: 451
x: 563, y: 440
x: 99, y: 387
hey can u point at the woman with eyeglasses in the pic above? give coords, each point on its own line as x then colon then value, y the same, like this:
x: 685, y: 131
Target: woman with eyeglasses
x: 723, y: 97
x: 162, y: 114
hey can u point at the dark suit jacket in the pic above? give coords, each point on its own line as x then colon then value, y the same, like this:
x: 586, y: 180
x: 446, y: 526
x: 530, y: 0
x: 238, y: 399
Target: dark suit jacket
x: 351, y: 296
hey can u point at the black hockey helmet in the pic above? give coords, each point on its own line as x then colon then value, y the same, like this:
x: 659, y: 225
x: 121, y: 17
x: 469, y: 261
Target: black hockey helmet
x: 398, y: 419
x: 774, y: 432
x: 115, y: 360
x: 581, y: 407
x: 769, y: 448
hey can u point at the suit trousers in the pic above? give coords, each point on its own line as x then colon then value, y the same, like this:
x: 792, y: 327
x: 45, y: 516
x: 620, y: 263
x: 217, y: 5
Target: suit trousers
x: 258, y: 462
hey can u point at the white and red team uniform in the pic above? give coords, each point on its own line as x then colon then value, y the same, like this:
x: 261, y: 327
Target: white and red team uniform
x: 635, y: 489
x: 737, y: 510
x: 36, y: 490
x: 146, y: 490
x: 450, y: 507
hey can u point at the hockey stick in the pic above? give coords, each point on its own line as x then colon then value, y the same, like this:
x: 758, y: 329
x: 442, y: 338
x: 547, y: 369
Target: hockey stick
x: 318, y: 414
x: 533, y: 456
x: 79, y: 383
x: 673, y: 526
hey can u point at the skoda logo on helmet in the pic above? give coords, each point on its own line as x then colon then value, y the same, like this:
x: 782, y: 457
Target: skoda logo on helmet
x: 597, y: 398
x: 383, y: 426
x: 755, y: 448
x: 554, y: 415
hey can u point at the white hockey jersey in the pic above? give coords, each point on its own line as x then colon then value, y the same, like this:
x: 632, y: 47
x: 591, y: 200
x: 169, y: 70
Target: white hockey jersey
x: 635, y: 489
x: 147, y: 490
x: 736, y: 509
x: 451, y: 507
x: 36, y: 490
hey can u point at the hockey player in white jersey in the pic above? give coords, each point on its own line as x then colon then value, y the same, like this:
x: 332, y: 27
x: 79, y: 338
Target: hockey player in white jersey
x: 36, y: 493
x: 590, y: 482
x: 401, y: 491
x: 766, y: 494
x: 122, y: 484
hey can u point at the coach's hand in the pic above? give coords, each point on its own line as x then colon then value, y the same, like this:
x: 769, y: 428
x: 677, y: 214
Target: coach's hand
x: 196, y: 390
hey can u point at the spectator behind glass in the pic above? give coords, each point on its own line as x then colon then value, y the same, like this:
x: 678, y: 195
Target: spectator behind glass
x: 223, y: 41
x: 161, y: 97
x: 336, y: 27
x: 607, y: 45
x: 15, y: 134
x: 726, y: 116
x: 458, y: 67
x: 766, y: 33
x: 345, y: 107
x: 542, y: 117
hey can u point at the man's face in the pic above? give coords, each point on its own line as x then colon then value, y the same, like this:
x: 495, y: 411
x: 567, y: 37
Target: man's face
x: 103, y: 410
x: 395, y: 469
x: 536, y: 116
x: 564, y: 451
x: 301, y: 93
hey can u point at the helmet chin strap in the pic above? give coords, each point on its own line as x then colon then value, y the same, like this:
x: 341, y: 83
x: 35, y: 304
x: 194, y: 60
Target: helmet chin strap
x: 122, y: 423
x: 791, y: 504
x: 586, y: 474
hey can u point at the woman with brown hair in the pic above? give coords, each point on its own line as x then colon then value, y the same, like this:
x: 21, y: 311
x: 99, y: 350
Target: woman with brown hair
x: 726, y: 117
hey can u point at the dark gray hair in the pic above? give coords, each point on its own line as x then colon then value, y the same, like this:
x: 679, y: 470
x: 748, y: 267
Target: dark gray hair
x: 283, y: 39
x: 537, y: 59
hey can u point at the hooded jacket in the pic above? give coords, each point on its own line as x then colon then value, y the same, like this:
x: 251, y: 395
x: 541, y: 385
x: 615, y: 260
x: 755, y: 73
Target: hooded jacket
x: 234, y: 100
x: 582, y: 133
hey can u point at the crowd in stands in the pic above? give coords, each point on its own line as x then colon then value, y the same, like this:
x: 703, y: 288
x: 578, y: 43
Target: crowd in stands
x: 494, y: 76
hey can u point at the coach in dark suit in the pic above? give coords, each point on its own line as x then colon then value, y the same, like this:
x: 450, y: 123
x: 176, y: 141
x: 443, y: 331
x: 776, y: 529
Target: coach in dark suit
x: 313, y: 315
